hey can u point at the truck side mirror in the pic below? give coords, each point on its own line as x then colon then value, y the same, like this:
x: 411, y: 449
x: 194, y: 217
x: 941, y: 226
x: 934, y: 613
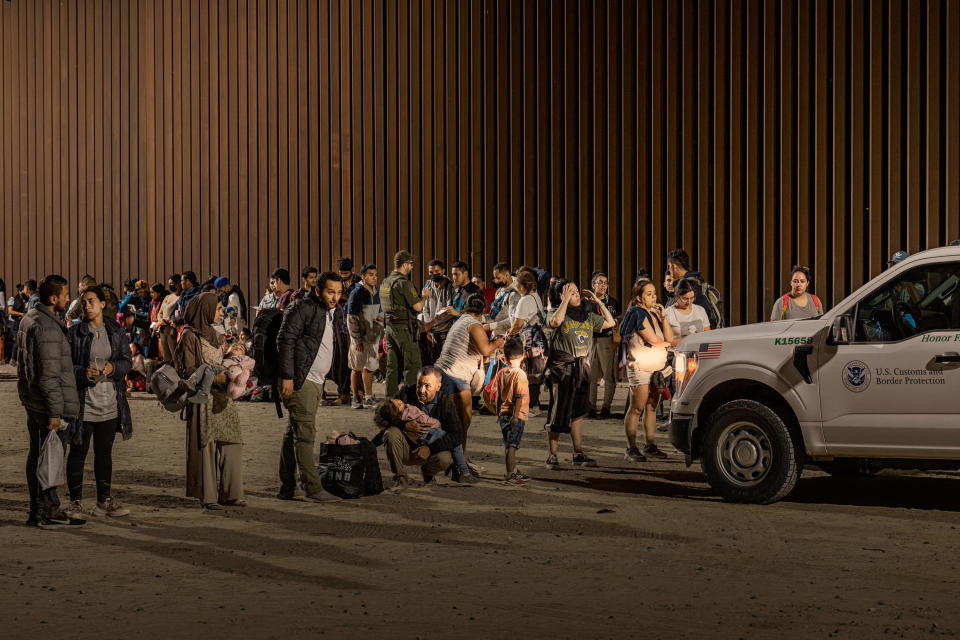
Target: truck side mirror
x: 840, y: 330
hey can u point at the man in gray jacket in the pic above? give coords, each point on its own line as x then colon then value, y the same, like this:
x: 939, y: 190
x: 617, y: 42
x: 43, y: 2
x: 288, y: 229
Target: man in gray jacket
x: 48, y: 391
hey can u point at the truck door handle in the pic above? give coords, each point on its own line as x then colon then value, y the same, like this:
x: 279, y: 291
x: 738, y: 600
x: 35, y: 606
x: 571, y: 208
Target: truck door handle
x: 800, y: 362
x: 950, y: 357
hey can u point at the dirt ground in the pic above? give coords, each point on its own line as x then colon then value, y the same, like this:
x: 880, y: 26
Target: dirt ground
x: 617, y: 551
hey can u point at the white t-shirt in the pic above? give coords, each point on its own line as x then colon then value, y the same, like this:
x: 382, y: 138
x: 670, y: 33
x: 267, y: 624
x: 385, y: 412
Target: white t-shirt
x: 527, y: 309
x: 324, y: 360
x: 695, y: 320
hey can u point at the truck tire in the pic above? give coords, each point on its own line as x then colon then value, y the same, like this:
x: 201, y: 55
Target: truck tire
x: 749, y: 454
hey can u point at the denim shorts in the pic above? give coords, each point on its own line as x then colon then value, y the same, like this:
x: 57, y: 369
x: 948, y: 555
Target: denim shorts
x: 512, y: 430
x: 450, y: 385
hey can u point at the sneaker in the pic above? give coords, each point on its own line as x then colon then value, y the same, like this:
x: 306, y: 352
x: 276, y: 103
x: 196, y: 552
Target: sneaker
x: 33, y: 520
x: 323, y: 496
x: 605, y: 413
x: 370, y: 402
x: 533, y: 413
x: 400, y: 483
x: 663, y: 426
x: 286, y: 496
x: 552, y: 463
x: 60, y: 520
x: 634, y: 454
x: 110, y: 507
x: 522, y: 475
x: 75, y: 509
x: 515, y: 479
x: 357, y: 403
x: 654, y: 451
x: 476, y: 470
x: 344, y: 399
x: 581, y: 460
x: 467, y: 478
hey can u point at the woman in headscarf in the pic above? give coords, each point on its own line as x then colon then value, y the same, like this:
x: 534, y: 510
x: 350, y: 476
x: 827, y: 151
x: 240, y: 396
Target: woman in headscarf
x: 214, y: 443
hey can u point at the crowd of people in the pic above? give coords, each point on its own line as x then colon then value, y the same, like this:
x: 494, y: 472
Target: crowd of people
x: 445, y: 351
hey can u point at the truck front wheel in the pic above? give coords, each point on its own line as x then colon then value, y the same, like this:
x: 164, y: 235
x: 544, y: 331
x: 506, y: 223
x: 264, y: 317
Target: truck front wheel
x: 748, y: 453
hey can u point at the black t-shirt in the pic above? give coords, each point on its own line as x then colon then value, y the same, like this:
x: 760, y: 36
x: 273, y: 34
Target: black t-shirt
x: 613, y: 306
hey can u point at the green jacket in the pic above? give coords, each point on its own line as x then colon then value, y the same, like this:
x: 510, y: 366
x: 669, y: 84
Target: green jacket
x: 397, y: 297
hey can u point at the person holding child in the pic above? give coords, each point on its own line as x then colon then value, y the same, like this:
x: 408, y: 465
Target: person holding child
x: 214, y: 441
x: 402, y: 443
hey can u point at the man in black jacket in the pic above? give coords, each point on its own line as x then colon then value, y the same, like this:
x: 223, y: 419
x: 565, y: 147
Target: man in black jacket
x: 436, y: 457
x: 48, y: 391
x: 308, y: 346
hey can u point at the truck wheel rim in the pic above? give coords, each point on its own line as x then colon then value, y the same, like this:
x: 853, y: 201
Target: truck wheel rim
x: 744, y: 454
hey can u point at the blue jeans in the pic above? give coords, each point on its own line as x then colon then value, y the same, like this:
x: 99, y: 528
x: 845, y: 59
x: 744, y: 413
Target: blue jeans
x: 458, y: 458
x: 512, y: 430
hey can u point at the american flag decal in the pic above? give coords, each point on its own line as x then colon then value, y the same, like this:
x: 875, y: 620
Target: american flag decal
x: 710, y: 350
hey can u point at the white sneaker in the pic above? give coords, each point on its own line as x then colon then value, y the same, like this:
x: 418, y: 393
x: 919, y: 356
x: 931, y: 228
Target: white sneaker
x: 356, y: 403
x: 370, y: 402
x: 75, y: 510
x: 476, y: 470
x: 110, y: 507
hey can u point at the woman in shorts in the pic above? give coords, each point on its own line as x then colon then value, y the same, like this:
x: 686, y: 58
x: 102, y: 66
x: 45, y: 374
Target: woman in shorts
x: 463, y: 351
x: 646, y: 338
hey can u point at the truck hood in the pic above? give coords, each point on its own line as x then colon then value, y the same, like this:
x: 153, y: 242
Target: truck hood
x: 745, y: 332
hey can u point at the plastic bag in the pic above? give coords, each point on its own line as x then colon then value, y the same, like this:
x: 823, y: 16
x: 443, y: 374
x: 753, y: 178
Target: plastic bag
x: 50, y: 468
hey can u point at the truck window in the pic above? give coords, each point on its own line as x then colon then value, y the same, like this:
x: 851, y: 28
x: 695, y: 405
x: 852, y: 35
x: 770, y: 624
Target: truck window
x: 924, y: 299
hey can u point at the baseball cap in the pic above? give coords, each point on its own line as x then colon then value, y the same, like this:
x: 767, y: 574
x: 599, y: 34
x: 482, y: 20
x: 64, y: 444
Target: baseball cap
x: 403, y: 256
x: 221, y: 282
x: 898, y: 256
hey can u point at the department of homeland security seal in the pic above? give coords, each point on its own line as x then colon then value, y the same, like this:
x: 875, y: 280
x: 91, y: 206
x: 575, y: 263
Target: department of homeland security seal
x: 856, y: 376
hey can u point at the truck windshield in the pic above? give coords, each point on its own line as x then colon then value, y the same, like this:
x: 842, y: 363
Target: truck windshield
x: 925, y: 298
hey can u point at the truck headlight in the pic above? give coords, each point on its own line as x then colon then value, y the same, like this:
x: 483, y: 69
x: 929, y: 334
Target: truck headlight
x: 684, y: 366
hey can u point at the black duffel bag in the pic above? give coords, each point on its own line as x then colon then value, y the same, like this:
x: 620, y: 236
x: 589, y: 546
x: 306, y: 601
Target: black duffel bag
x: 350, y: 470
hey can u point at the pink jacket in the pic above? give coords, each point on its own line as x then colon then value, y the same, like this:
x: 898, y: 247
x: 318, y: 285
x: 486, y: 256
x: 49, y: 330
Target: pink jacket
x: 238, y: 372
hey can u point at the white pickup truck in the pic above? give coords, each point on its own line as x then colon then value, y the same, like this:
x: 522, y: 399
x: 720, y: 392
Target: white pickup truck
x: 873, y: 383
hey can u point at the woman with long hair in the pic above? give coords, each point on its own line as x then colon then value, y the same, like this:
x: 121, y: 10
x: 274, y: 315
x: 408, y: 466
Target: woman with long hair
x: 798, y: 303
x: 570, y: 327
x: 646, y: 338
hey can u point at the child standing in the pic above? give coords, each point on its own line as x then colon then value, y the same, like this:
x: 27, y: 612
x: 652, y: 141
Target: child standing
x: 513, y: 404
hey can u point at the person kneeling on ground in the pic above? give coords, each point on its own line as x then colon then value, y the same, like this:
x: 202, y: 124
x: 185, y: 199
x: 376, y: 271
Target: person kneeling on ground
x: 435, y: 457
x: 513, y: 399
x: 395, y: 413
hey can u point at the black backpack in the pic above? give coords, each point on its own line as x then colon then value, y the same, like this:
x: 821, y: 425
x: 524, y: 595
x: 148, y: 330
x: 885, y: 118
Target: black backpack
x: 266, y: 326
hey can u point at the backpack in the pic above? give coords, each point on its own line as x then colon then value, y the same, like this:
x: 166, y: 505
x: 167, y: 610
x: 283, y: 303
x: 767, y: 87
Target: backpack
x: 786, y: 305
x: 266, y: 326
x: 491, y: 392
x: 716, y: 305
x: 350, y: 470
x: 165, y: 384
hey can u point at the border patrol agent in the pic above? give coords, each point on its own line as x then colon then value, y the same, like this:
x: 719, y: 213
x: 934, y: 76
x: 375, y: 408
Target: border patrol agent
x: 401, y: 303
